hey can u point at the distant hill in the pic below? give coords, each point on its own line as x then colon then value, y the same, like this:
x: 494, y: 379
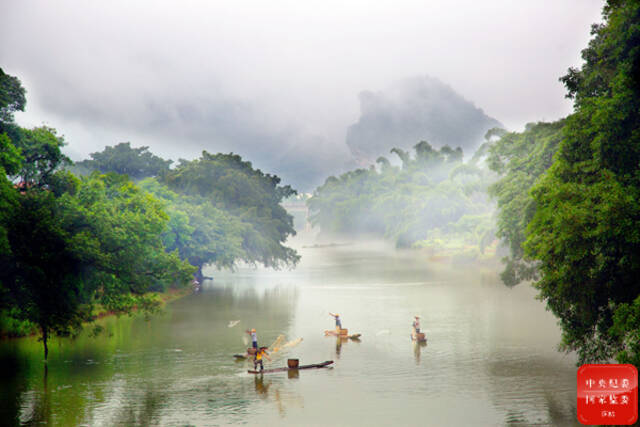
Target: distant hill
x: 415, y: 109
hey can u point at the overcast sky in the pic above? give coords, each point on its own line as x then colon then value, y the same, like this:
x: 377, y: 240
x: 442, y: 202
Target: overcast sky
x: 277, y: 81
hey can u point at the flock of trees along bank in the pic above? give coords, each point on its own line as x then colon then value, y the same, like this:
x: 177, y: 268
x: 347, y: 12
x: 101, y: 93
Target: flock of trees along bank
x: 70, y: 242
x: 432, y: 199
x: 567, y: 195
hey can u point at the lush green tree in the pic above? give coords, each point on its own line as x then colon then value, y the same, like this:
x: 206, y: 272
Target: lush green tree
x: 585, y: 232
x: 233, y: 186
x: 42, y: 275
x: 221, y: 211
x: 137, y: 163
x: 12, y: 97
x: 66, y: 244
x: 10, y: 162
x: 99, y: 241
x: 520, y: 158
x: 200, y: 232
x: 10, y: 157
x: 416, y: 204
x: 29, y: 155
x: 41, y: 152
x: 626, y: 332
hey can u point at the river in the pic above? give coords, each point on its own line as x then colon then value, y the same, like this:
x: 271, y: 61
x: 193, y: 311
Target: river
x: 491, y: 356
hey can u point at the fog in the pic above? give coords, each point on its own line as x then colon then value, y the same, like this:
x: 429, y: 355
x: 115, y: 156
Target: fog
x: 283, y: 82
x: 413, y: 110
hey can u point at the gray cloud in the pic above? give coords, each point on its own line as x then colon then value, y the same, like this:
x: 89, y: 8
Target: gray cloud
x: 412, y: 110
x: 277, y: 81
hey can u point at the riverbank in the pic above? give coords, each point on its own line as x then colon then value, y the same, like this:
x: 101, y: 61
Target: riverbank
x: 11, y: 328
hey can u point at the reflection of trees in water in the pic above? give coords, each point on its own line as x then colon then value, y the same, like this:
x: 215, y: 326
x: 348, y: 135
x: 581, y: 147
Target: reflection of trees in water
x: 557, y: 413
x: 12, y: 386
x: 39, y: 405
x: 34, y: 393
x: 513, y: 386
x: 89, y: 377
x: 146, y: 410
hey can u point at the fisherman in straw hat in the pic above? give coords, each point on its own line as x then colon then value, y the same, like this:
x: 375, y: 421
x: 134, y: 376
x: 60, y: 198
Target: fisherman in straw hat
x: 338, y: 322
x: 416, y: 324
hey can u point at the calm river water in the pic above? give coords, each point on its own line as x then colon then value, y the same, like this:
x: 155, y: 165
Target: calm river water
x: 491, y: 358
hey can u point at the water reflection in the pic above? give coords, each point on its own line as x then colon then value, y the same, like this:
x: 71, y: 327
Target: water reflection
x: 39, y: 405
x: 491, y: 354
x: 145, y: 373
x: 261, y: 388
x: 12, y: 385
x: 147, y: 410
x: 340, y: 341
x: 417, y: 349
x: 267, y: 391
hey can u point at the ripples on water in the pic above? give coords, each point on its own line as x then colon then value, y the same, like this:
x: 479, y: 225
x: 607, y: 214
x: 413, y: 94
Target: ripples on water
x: 490, y: 359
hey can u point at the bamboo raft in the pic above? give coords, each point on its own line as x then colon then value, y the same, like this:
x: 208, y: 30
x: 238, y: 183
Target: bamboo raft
x: 343, y: 334
x: 419, y: 337
x: 316, y: 365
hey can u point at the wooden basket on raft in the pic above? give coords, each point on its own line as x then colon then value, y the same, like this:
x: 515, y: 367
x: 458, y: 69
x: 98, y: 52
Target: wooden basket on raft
x: 292, y: 363
x: 344, y: 332
x: 420, y: 336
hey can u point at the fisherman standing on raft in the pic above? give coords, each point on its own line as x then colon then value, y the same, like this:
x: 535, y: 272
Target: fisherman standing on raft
x: 254, y: 338
x: 257, y: 358
x: 338, y: 322
x: 416, y: 325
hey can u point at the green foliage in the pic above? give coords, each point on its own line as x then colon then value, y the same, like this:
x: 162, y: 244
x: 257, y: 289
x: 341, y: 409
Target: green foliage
x: 8, y: 199
x: 413, y: 205
x: 80, y: 242
x: 199, y: 231
x: 11, y: 97
x: 119, y: 228
x: 10, y: 162
x: 41, y: 153
x: 247, y: 203
x: 12, y: 327
x: 10, y: 158
x: 585, y: 232
x: 67, y: 244
x: 41, y: 277
x: 137, y: 163
x: 626, y: 331
x: 520, y: 159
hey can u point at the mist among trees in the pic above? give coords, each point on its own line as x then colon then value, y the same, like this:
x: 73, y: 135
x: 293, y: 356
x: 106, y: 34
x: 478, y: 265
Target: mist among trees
x: 412, y: 110
x: 567, y: 196
x: 69, y: 243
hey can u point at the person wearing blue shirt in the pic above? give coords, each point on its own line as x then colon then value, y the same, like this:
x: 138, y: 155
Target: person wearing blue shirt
x: 338, y: 322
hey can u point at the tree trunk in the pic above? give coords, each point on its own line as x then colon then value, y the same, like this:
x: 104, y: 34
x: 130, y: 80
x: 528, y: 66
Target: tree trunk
x: 44, y: 341
x: 198, y: 274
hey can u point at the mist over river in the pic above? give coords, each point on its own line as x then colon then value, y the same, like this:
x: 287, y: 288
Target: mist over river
x: 491, y: 357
